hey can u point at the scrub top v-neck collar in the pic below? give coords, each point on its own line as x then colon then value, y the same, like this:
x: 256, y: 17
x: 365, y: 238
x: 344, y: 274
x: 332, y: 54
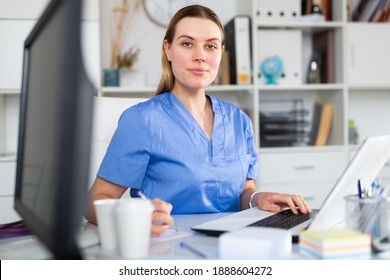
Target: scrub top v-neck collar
x: 215, y: 147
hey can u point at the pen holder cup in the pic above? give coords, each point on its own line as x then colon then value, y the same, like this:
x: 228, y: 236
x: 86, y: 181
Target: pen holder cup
x: 369, y: 215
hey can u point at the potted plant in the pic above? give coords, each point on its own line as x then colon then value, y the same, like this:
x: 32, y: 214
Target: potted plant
x: 123, y: 18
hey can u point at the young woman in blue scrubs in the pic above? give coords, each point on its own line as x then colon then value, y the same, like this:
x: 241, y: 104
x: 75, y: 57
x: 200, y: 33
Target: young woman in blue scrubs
x: 187, y: 151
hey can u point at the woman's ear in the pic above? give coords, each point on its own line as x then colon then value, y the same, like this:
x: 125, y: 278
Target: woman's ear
x: 167, y: 48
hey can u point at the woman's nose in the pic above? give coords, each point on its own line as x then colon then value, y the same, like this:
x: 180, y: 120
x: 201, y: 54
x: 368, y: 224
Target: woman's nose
x: 199, y: 55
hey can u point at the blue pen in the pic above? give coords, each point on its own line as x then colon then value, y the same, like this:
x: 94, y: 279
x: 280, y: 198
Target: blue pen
x: 140, y: 194
x: 360, y: 191
x: 192, y: 249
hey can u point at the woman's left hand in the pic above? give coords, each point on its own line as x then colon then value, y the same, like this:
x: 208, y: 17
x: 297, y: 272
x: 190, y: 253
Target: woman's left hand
x: 276, y: 202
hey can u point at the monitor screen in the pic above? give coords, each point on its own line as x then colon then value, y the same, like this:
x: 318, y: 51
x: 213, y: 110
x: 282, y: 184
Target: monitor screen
x: 54, y: 130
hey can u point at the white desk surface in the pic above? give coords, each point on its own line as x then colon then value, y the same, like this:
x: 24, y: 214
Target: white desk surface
x: 164, y: 247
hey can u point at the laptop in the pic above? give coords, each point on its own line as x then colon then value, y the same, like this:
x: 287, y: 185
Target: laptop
x: 365, y: 165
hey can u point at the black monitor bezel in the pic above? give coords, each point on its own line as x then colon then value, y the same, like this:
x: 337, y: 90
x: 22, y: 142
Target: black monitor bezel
x: 75, y: 128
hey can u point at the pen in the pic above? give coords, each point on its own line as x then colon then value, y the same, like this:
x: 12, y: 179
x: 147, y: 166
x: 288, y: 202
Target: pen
x: 360, y: 192
x: 192, y: 249
x: 140, y: 194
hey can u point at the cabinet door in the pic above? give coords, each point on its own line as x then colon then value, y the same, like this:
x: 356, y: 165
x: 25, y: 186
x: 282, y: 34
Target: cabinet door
x: 7, y: 186
x: 12, y: 34
x: 90, y: 50
x: 313, y: 193
x: 22, y: 9
x: 292, y: 168
x: 7, y: 178
x: 369, y: 59
x: 7, y: 212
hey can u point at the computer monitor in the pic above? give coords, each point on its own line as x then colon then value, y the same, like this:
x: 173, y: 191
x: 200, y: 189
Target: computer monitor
x: 55, y: 130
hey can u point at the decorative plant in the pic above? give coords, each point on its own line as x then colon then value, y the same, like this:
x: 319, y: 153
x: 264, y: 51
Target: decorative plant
x: 122, y: 21
x: 128, y: 58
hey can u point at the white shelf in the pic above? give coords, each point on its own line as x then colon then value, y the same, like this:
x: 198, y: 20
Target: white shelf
x: 306, y: 27
x: 369, y: 87
x: 303, y: 87
x: 9, y: 91
x: 11, y: 158
x: 220, y: 88
x: 302, y: 149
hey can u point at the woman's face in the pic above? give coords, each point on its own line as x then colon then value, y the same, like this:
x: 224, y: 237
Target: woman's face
x: 195, y: 53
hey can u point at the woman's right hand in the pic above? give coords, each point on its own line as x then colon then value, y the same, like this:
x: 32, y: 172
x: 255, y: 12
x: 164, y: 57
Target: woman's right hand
x: 161, y: 218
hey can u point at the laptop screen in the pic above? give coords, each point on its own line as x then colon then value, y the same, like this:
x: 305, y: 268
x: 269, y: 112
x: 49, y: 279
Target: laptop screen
x: 365, y: 166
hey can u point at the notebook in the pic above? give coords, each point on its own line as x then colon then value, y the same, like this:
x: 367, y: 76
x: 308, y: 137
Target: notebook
x: 365, y: 165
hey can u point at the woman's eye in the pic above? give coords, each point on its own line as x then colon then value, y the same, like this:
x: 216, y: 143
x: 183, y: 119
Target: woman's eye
x: 186, y: 44
x: 212, y: 47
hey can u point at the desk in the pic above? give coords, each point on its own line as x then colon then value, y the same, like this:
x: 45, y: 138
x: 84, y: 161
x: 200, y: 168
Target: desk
x: 160, y: 248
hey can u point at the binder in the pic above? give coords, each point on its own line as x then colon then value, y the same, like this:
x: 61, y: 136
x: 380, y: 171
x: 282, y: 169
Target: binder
x: 273, y: 42
x: 326, y: 6
x: 238, y: 45
x: 324, y: 43
x: 225, y: 69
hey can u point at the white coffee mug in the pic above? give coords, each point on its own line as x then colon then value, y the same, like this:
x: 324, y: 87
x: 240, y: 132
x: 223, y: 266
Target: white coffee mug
x: 134, y: 221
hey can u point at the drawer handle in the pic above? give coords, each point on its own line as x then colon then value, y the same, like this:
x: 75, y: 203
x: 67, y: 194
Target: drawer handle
x: 304, y: 167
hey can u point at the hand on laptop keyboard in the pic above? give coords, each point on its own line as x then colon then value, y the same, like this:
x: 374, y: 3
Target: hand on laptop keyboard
x: 284, y: 220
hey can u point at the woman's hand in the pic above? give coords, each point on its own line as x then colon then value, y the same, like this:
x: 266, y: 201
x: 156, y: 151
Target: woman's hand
x: 161, y: 218
x: 276, y: 202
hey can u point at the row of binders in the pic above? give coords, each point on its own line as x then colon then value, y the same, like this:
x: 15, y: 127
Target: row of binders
x: 369, y: 10
x: 236, y: 65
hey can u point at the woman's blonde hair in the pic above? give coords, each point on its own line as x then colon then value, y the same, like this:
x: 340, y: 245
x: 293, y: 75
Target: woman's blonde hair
x: 196, y: 11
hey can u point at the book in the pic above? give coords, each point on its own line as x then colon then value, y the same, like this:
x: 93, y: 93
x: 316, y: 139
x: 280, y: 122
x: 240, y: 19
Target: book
x: 238, y: 45
x: 383, y: 14
x: 315, y: 124
x: 326, y: 7
x: 369, y: 10
x: 325, y: 125
x: 381, y: 9
x: 324, y: 43
x: 358, y: 10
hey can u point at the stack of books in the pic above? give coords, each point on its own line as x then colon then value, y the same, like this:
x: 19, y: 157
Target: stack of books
x: 335, y: 243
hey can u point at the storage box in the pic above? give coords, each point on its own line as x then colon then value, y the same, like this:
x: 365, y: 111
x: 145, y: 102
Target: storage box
x: 278, y: 10
x: 273, y: 43
x: 255, y: 243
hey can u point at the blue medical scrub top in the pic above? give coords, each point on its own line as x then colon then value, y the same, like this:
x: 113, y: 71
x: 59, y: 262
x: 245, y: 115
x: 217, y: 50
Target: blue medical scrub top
x: 160, y: 149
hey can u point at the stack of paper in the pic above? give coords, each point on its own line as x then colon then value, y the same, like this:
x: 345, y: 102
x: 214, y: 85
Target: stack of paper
x: 336, y: 243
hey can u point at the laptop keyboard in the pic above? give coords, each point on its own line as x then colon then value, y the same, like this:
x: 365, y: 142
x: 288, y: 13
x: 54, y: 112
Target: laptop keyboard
x: 284, y: 220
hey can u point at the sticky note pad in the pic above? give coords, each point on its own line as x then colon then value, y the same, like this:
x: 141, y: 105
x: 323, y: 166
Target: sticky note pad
x: 335, y: 243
